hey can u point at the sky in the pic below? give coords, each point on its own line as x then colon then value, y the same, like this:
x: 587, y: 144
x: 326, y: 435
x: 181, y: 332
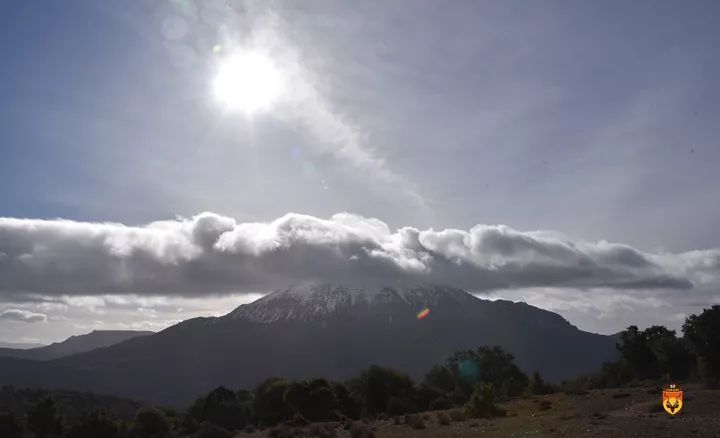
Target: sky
x: 560, y: 153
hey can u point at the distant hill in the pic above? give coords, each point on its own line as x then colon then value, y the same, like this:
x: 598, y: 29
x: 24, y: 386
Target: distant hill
x: 74, y: 345
x: 19, y: 345
x: 71, y: 403
x: 319, y: 330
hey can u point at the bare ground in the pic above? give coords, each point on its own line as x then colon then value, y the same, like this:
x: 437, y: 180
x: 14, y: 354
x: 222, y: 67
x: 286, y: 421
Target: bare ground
x: 632, y: 412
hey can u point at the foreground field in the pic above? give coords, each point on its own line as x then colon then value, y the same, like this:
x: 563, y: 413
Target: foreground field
x: 603, y: 413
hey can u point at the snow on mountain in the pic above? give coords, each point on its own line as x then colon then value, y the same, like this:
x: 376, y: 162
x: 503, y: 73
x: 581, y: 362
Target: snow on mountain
x: 312, y: 300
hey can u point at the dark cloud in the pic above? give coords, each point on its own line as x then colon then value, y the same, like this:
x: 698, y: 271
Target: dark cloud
x: 22, y: 316
x: 210, y: 254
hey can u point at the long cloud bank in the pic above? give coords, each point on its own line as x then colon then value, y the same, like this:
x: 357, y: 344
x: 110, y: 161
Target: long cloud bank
x: 210, y: 254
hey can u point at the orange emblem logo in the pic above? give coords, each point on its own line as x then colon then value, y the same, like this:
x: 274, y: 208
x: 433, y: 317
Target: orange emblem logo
x: 672, y: 399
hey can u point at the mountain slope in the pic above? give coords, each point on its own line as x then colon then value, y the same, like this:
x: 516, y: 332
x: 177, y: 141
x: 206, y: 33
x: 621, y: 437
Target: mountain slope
x: 74, y: 345
x: 320, y: 330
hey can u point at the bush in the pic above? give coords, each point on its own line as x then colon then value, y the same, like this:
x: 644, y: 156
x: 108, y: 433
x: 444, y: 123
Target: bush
x: 400, y: 406
x: 443, y: 419
x: 482, y: 403
x: 538, y: 386
x: 415, y: 421
x: 457, y: 415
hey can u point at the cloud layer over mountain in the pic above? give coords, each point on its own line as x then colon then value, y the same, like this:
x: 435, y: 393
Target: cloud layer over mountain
x: 22, y: 316
x: 210, y: 254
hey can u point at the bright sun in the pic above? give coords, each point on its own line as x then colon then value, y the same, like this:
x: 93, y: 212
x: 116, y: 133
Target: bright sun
x: 247, y: 81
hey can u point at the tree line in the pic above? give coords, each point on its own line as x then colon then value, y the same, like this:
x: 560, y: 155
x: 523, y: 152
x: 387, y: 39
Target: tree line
x: 657, y: 353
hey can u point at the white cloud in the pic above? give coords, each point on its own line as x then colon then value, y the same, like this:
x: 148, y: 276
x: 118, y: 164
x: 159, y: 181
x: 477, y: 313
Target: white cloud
x: 213, y: 254
x: 22, y: 316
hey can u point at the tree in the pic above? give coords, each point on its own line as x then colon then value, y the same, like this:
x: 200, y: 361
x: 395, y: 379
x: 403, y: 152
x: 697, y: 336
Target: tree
x: 95, y: 424
x: 269, y: 404
x: 44, y: 420
x: 10, y: 427
x: 225, y: 408
x: 349, y: 403
x: 377, y: 385
x: 489, y: 365
x: 671, y: 354
x: 150, y: 423
x: 313, y: 399
x: 634, y: 349
x: 441, y: 378
x: 702, y: 332
x: 654, y: 352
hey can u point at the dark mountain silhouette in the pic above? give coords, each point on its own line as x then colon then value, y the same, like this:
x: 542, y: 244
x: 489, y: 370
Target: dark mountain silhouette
x: 74, y: 345
x: 319, y: 330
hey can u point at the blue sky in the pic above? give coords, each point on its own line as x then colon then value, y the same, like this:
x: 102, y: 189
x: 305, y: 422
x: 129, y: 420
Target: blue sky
x: 596, y: 120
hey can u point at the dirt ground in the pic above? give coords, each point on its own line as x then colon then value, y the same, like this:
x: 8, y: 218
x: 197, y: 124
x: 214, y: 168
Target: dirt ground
x: 603, y: 413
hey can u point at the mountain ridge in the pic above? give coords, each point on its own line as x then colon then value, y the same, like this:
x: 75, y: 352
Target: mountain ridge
x: 321, y: 330
x: 74, y: 344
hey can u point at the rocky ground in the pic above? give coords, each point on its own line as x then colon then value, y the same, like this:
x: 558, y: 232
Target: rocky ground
x: 632, y: 412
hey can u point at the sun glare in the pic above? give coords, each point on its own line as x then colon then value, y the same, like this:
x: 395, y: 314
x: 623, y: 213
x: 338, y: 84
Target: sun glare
x: 247, y: 81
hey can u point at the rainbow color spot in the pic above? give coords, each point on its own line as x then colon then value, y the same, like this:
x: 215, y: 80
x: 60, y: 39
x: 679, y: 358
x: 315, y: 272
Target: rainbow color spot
x: 423, y: 313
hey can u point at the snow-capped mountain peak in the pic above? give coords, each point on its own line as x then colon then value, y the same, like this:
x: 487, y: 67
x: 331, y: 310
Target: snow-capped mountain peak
x: 317, y: 300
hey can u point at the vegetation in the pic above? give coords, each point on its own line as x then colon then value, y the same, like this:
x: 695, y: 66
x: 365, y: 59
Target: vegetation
x: 657, y: 354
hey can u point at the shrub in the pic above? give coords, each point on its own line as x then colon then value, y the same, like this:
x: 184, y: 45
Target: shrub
x: 457, y: 415
x: 415, y: 421
x: 538, y: 386
x: 400, y: 405
x: 482, y: 403
x: 443, y: 419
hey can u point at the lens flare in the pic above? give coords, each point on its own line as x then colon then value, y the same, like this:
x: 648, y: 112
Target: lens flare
x: 423, y: 313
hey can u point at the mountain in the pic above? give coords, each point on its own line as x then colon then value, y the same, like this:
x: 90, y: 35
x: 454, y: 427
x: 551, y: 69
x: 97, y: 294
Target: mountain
x: 19, y: 345
x: 74, y: 345
x: 319, y: 330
